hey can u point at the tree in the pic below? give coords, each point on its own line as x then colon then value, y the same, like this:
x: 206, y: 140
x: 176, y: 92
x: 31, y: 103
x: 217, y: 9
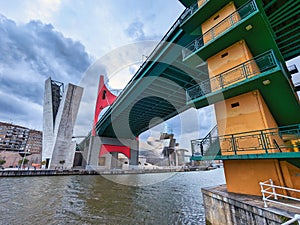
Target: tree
x: 25, y: 161
x: 2, y: 161
x: 43, y: 163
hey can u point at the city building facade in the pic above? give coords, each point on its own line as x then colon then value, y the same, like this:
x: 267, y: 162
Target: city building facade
x: 15, y: 139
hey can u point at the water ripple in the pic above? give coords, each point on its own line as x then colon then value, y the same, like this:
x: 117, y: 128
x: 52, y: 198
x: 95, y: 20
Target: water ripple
x: 96, y: 200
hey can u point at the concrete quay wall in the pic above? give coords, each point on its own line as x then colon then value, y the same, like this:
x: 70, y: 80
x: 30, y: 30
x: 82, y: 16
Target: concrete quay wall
x: 222, y: 208
x: 50, y: 172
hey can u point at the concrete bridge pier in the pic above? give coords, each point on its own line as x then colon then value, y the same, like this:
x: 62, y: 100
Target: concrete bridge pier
x: 104, y: 152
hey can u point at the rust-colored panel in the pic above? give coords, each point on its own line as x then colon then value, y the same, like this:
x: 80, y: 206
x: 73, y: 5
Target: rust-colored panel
x: 218, y: 23
x: 246, y: 113
x: 291, y: 176
x: 243, y: 176
x: 230, y: 60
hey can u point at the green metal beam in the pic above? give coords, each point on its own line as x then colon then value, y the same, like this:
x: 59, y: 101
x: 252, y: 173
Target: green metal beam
x: 287, y: 33
x: 174, y: 90
x: 281, y: 10
x: 291, y: 49
x: 291, y: 43
x: 175, y: 100
x: 189, y: 69
x: 271, y: 3
x: 287, y: 26
x: 292, y: 54
x: 176, y: 78
x: 285, y: 17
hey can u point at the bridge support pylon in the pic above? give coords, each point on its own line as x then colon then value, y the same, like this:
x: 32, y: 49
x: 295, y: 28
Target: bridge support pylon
x: 104, y: 153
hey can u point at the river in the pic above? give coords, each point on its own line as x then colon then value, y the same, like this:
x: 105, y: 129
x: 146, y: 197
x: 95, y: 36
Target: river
x: 93, y: 199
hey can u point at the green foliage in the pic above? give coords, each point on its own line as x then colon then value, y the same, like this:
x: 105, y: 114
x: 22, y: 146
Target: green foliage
x: 285, y: 219
x: 24, y: 163
x: 2, y: 161
x: 43, y: 162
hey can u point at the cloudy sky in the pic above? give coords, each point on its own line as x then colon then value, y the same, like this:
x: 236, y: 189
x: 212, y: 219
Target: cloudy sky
x: 63, y: 39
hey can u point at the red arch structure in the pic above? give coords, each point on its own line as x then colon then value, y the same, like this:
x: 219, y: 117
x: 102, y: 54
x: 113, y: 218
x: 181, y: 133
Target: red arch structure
x: 105, y: 148
x: 104, y: 99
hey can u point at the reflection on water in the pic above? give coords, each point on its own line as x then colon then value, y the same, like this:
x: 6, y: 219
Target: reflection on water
x: 96, y: 200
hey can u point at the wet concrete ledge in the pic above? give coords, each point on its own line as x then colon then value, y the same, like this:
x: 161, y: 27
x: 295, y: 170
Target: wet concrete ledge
x: 222, y: 208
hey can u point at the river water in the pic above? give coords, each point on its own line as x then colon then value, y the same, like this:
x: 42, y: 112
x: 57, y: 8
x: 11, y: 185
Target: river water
x: 93, y: 199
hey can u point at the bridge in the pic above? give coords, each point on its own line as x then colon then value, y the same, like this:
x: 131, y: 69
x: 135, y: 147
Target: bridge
x: 158, y: 89
x: 231, y: 54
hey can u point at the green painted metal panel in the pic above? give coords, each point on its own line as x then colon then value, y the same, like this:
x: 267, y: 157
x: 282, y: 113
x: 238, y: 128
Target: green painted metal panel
x: 282, y: 155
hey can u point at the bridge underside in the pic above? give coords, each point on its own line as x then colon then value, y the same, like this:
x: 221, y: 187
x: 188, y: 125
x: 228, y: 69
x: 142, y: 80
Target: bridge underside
x: 159, y: 94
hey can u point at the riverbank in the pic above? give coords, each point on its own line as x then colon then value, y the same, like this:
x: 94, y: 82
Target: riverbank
x: 48, y: 172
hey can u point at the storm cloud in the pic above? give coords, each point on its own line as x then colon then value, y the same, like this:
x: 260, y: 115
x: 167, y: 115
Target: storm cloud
x: 29, y: 54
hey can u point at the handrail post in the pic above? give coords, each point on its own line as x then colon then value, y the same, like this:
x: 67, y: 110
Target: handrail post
x: 244, y: 73
x: 221, y: 81
x: 233, y: 144
x: 231, y: 19
x: 196, y: 44
x: 263, y: 141
x: 263, y: 194
x: 273, y: 189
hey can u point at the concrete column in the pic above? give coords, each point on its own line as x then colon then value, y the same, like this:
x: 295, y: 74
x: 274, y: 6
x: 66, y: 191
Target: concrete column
x: 48, y: 124
x: 93, y: 152
x: 134, y: 159
x: 114, y: 160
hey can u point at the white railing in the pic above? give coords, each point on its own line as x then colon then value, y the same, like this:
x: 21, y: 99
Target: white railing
x: 268, y: 190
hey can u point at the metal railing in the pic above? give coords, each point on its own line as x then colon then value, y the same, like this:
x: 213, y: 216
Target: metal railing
x: 209, y: 144
x: 250, y: 68
x: 192, y: 9
x: 267, y: 141
x: 269, y: 191
x: 233, y: 19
